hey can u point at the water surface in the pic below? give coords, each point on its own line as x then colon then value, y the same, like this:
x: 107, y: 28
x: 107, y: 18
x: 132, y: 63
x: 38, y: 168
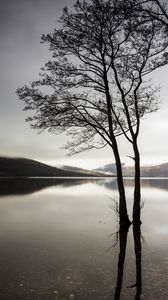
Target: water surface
x: 59, y: 240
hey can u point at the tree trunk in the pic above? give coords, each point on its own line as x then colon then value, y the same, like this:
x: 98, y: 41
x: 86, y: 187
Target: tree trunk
x: 122, y: 199
x: 137, y: 186
x: 123, y: 215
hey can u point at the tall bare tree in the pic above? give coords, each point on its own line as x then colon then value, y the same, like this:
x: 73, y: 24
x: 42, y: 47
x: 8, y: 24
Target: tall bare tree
x: 78, y: 100
x: 148, y: 45
x: 94, y: 88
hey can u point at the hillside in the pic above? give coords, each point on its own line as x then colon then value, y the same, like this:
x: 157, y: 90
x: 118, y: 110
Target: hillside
x: 21, y: 167
x: 107, y: 169
x: 147, y: 171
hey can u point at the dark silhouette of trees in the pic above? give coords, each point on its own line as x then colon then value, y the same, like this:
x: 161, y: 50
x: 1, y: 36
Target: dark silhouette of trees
x: 147, y: 52
x: 146, y: 55
x: 94, y: 88
x: 79, y: 100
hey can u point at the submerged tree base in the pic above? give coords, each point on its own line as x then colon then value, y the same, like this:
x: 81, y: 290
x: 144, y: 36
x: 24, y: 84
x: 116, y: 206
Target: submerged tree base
x: 124, y: 222
x: 137, y: 222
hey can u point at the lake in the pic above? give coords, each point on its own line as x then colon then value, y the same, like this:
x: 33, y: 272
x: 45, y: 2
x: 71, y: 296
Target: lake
x: 60, y: 240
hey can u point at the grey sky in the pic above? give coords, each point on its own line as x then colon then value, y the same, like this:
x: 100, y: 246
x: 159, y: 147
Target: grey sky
x: 22, y: 23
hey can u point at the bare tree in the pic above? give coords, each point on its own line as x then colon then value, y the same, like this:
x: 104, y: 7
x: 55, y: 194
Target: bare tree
x: 94, y: 88
x: 78, y: 99
x: 149, y: 43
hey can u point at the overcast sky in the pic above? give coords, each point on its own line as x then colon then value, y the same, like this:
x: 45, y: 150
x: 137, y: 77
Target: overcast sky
x: 21, y: 56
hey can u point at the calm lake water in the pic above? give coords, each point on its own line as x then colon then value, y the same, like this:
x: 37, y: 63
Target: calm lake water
x: 59, y: 240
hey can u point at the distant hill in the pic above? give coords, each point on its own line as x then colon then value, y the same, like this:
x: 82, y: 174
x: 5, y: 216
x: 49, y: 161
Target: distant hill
x: 147, y: 171
x: 107, y: 169
x: 21, y: 167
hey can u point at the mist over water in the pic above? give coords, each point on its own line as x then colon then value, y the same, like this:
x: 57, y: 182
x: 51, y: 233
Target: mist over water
x: 60, y: 240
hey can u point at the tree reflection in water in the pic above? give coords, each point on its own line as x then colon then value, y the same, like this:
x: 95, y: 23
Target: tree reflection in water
x: 137, y: 248
x: 123, y: 233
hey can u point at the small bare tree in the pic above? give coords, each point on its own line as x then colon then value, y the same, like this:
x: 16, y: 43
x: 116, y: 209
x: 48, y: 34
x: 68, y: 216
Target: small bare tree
x: 94, y: 88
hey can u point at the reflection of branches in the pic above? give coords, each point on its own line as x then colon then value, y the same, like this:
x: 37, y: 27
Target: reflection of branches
x: 115, y: 235
x: 115, y: 207
x: 115, y: 239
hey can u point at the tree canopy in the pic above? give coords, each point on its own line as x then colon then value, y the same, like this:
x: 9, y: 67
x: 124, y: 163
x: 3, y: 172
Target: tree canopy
x: 95, y: 77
